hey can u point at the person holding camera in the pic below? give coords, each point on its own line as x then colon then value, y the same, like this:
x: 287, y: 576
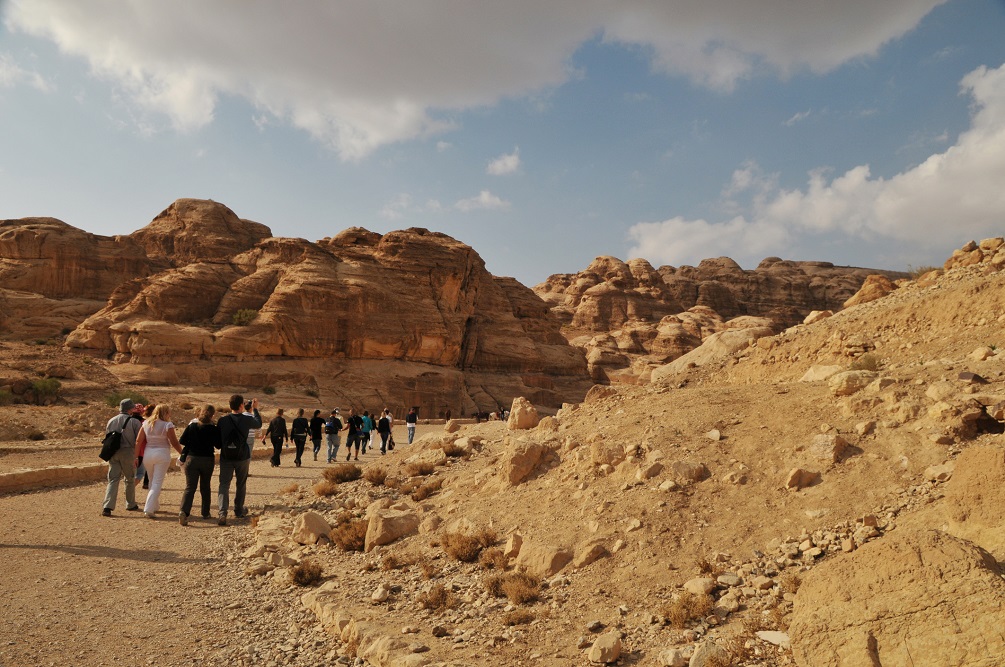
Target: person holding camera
x: 238, y: 468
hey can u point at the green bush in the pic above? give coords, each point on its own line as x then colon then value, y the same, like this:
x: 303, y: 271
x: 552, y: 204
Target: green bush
x: 47, y: 388
x: 6, y: 398
x: 268, y: 390
x: 244, y: 317
x: 113, y: 399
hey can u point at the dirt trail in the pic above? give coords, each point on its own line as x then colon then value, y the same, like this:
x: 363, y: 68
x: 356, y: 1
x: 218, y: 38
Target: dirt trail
x: 81, y: 589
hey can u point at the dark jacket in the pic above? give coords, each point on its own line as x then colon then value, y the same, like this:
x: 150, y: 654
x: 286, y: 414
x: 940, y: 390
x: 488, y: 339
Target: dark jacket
x: 200, y: 439
x: 243, y: 423
x: 300, y: 427
x: 277, y: 431
x: 317, y: 424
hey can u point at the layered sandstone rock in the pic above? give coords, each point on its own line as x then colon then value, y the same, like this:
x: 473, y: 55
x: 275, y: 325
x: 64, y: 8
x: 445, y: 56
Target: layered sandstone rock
x: 630, y: 318
x: 200, y: 295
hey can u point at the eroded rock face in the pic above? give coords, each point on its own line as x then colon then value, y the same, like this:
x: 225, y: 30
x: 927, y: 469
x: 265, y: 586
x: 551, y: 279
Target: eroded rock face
x: 312, y: 311
x: 914, y: 596
x: 630, y: 318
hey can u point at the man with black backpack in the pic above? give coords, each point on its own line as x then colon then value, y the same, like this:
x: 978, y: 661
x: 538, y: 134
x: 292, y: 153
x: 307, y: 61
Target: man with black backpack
x: 122, y: 465
x: 235, y: 455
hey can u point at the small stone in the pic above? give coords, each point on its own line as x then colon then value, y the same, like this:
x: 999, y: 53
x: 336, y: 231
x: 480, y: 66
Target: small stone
x: 440, y: 631
x: 606, y: 649
x: 715, y: 435
x: 380, y: 594
x: 595, y: 626
x: 779, y: 639
x: 700, y: 585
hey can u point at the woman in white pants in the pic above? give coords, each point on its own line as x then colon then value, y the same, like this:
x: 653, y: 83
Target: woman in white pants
x: 153, y: 445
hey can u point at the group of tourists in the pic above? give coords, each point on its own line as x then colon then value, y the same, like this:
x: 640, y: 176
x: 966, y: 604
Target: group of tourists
x: 148, y: 436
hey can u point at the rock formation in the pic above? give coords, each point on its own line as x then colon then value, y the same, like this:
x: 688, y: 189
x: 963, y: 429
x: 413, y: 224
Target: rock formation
x: 199, y: 294
x: 630, y: 318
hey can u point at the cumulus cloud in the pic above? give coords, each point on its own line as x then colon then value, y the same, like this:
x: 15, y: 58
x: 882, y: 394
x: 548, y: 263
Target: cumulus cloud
x: 358, y: 74
x: 949, y: 198
x: 483, y: 201
x: 12, y: 74
x: 508, y: 163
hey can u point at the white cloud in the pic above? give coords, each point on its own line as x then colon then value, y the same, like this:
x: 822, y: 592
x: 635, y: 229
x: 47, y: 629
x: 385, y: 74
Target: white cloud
x: 396, y: 208
x: 443, y: 146
x: 483, y: 201
x: 796, y: 117
x: 12, y: 74
x: 951, y: 197
x: 360, y: 75
x: 507, y: 163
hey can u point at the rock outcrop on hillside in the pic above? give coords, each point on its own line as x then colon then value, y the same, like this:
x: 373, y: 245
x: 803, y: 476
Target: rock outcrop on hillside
x: 200, y: 292
x: 630, y: 317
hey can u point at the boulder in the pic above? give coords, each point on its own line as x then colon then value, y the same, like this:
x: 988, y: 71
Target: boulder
x: 975, y: 497
x: 543, y: 560
x: 387, y: 526
x: 817, y: 316
x: 799, y: 479
x: 690, y: 471
x: 520, y: 461
x: 604, y: 452
x: 309, y: 527
x: 850, y: 382
x: 606, y: 649
x: 829, y: 447
x: 874, y: 287
x: 818, y: 373
x: 522, y: 415
x: 913, y: 598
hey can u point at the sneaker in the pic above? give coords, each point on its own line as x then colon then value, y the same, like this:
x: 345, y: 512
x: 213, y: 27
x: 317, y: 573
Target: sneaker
x: 348, y: 456
x: 183, y: 518
x: 222, y: 521
x: 134, y: 508
x: 106, y: 512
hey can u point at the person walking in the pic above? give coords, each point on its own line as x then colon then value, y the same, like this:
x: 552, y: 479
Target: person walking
x: 384, y: 430
x: 154, y: 443
x: 353, y: 424
x: 278, y: 434
x: 239, y: 467
x: 122, y: 465
x: 368, y: 425
x: 199, y: 441
x: 299, y: 430
x: 410, y: 421
x: 317, y: 427
x: 333, y: 427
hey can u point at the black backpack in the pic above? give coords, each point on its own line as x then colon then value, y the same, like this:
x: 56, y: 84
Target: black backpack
x: 233, y: 446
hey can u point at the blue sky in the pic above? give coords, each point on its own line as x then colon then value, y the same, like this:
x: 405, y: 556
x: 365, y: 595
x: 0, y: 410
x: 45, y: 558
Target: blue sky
x: 542, y: 134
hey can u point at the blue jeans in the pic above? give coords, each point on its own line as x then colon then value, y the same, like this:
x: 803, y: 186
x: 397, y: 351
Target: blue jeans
x: 228, y: 469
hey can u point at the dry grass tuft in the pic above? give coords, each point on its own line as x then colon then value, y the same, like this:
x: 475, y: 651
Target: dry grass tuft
x: 307, y: 573
x: 376, y: 476
x: 518, y: 587
x: 394, y: 562
x: 324, y: 488
x: 427, y: 489
x: 437, y: 598
x: 292, y: 487
x: 867, y: 362
x: 493, y: 559
x: 454, y: 451
x: 343, y: 472
x: 350, y: 535
x: 518, y: 617
x: 704, y: 566
x: 459, y: 546
x: 420, y: 469
x: 392, y: 483
x: 686, y: 608
x: 428, y: 568
x: 790, y: 582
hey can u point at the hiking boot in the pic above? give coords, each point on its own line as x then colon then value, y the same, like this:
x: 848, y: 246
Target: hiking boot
x: 134, y: 508
x: 183, y: 518
x: 106, y: 512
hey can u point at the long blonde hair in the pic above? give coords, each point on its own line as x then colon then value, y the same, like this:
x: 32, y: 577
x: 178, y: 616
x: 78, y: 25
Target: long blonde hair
x: 162, y: 412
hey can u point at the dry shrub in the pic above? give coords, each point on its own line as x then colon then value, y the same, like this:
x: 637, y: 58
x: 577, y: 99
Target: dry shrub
x: 420, y: 469
x: 292, y: 487
x: 350, y: 535
x: 369, y: 566
x: 518, y: 617
x: 392, y: 482
x: 459, y: 546
x: 778, y: 619
x: 343, y: 472
x: 426, y: 490
x: 394, y: 562
x: 686, y: 608
x: 704, y: 565
x: 186, y: 405
x: 518, y: 587
x: 486, y: 537
x: 324, y: 488
x: 452, y: 450
x: 790, y: 582
x: 753, y: 622
x: 428, y: 568
x: 375, y: 476
x: 351, y: 647
x: 493, y: 559
x: 436, y: 598
x: 307, y: 573
x: 867, y: 362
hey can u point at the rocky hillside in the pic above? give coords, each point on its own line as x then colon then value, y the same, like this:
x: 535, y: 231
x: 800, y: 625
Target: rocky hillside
x: 411, y: 316
x: 630, y: 317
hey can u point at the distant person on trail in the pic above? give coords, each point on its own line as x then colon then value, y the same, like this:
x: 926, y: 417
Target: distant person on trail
x: 317, y: 428
x: 299, y: 431
x: 122, y: 465
x: 141, y: 470
x: 239, y: 468
x: 384, y: 429
x: 368, y: 425
x: 354, y: 424
x: 333, y: 427
x: 278, y: 434
x: 154, y: 443
x: 199, y: 443
x: 410, y: 420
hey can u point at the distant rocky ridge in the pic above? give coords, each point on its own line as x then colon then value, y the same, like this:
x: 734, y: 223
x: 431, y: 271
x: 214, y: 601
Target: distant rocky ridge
x: 411, y: 317
x: 630, y: 318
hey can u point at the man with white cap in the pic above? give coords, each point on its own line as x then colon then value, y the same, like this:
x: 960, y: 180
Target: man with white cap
x: 122, y: 465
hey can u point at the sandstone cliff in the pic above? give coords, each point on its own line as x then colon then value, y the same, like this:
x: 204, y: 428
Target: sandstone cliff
x: 630, y: 317
x: 199, y: 288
